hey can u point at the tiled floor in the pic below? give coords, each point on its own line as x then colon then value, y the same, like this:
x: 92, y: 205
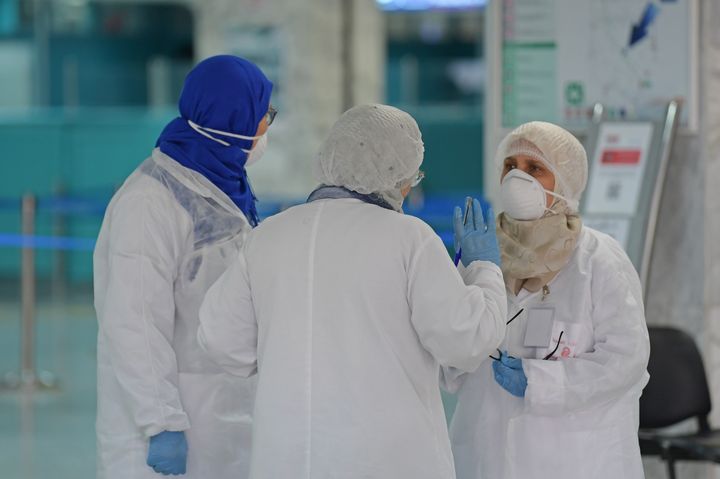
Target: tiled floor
x: 50, y: 434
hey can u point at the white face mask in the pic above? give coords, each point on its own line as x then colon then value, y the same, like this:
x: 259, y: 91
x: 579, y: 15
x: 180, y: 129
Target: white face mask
x: 523, y: 197
x: 257, y: 152
x: 253, y: 155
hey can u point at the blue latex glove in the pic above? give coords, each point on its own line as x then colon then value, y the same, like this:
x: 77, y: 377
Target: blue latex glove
x: 167, y: 453
x: 510, y: 375
x: 477, y: 238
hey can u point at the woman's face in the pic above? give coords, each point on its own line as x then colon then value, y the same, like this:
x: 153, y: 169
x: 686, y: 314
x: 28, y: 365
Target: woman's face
x: 261, y: 129
x: 534, y: 168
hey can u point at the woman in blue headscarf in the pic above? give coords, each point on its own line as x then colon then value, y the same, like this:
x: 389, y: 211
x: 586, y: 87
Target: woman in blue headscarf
x: 167, y: 236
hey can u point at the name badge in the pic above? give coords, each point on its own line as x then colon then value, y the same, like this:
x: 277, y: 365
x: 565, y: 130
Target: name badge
x: 539, y: 327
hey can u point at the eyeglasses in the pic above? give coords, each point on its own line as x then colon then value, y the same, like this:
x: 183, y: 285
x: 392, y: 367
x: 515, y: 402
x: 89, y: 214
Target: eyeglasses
x: 418, y: 178
x: 546, y: 358
x: 270, y: 115
x: 508, y: 322
x: 557, y: 346
x: 514, y: 317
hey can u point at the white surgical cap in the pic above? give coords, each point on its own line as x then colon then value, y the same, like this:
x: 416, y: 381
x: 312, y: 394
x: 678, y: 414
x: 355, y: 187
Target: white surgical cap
x: 371, y: 149
x: 555, y: 147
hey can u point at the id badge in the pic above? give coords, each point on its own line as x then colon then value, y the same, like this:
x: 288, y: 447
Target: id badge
x: 539, y: 327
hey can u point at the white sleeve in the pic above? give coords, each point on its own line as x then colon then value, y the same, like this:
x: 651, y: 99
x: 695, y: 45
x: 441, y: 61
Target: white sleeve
x: 617, y: 363
x: 452, y: 379
x: 459, y: 323
x: 228, y: 330
x: 138, y: 319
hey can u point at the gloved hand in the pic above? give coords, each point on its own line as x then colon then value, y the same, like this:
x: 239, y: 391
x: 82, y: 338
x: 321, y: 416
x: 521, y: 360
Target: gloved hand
x: 167, y: 453
x: 477, y: 238
x: 510, y: 375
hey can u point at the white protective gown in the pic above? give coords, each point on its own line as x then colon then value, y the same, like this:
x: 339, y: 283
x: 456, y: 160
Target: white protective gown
x: 347, y: 310
x: 579, y: 417
x: 167, y: 236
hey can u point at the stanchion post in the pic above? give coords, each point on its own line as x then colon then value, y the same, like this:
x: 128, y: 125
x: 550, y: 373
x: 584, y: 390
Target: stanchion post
x: 27, y: 293
x: 28, y: 380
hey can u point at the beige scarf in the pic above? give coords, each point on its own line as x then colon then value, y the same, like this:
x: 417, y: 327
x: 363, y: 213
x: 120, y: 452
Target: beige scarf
x: 534, y: 252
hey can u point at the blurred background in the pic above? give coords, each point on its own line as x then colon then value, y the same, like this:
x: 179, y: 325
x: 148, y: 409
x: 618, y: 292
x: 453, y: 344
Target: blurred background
x: 86, y: 86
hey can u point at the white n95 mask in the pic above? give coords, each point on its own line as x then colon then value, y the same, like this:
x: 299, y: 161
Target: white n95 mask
x: 523, y: 197
x: 257, y: 152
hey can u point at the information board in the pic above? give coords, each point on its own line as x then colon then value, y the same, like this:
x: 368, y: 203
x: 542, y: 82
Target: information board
x: 560, y: 57
x: 618, y: 166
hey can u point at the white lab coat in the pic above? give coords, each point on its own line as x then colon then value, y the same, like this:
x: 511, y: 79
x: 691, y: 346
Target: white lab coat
x: 167, y: 236
x: 347, y: 310
x: 579, y: 417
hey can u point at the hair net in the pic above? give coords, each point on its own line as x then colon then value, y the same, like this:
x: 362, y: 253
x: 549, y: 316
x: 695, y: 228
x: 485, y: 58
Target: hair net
x: 555, y: 147
x: 371, y: 149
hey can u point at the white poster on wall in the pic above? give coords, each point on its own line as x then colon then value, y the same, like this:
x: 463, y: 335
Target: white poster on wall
x: 618, y: 166
x: 618, y: 228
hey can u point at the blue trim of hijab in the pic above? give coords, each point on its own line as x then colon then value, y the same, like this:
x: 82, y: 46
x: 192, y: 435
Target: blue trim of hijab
x: 225, y: 93
x: 334, y: 192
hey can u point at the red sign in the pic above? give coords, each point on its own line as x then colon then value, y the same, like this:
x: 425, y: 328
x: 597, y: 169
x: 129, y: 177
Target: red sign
x: 621, y: 157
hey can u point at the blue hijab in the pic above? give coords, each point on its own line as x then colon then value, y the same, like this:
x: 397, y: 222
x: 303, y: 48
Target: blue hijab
x: 225, y: 93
